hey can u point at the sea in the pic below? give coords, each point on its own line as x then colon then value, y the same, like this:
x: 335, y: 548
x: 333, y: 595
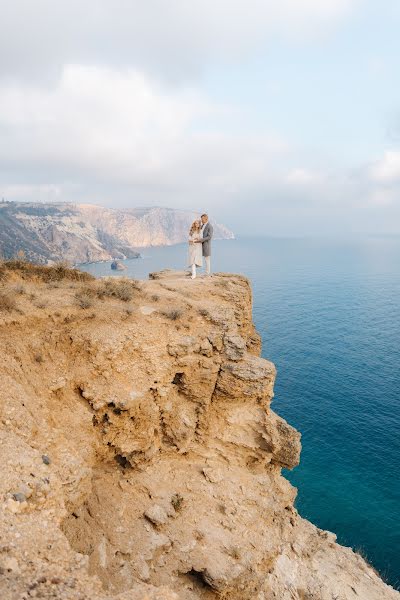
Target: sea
x: 328, y: 312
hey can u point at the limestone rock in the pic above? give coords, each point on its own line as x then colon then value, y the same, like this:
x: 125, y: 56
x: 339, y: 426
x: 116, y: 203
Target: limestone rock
x: 165, y: 475
x: 235, y: 346
x: 251, y: 379
x: 156, y: 514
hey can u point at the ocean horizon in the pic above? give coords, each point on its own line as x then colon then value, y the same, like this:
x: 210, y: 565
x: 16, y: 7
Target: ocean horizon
x: 328, y: 312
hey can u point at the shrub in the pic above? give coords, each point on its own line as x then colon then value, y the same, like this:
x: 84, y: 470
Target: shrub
x: 41, y: 304
x: 29, y: 271
x: 83, y: 299
x: 177, y: 502
x: 123, y: 289
x: 174, y: 314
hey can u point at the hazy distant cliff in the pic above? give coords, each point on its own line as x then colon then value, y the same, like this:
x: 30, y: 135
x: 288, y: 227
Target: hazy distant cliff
x: 141, y: 457
x: 86, y: 232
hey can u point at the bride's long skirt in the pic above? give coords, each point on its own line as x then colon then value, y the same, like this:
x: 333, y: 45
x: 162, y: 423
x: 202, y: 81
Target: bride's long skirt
x: 195, y: 256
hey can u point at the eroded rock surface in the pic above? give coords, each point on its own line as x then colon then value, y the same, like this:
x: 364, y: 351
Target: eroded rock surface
x: 162, y: 469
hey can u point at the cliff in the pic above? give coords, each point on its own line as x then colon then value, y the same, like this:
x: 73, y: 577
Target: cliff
x: 141, y: 458
x: 87, y: 233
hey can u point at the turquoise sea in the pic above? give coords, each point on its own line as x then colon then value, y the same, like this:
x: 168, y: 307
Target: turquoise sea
x: 329, y: 315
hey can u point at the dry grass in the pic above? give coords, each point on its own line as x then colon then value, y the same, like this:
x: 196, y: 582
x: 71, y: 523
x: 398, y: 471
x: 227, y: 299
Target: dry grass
x: 122, y: 288
x: 83, y: 299
x: 234, y: 552
x: 19, y: 289
x: 29, y: 271
x: 173, y: 313
x: 224, y: 283
x: 177, y: 502
x: 7, y: 302
x: 40, y: 304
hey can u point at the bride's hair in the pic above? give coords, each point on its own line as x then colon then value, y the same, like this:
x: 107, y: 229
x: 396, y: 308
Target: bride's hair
x: 195, y: 227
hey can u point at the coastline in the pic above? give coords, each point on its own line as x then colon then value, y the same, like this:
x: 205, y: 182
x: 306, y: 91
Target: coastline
x: 141, y: 249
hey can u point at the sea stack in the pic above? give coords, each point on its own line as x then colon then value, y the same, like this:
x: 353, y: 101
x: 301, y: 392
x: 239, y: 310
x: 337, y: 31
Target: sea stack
x: 117, y: 266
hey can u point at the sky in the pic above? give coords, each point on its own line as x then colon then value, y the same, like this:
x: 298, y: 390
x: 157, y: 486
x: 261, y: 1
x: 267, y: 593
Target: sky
x: 275, y: 117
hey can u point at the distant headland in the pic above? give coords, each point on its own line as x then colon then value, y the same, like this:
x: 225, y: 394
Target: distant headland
x: 82, y: 233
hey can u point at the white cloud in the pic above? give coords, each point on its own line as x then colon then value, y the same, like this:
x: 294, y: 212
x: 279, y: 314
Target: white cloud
x: 383, y: 197
x: 94, y: 119
x: 300, y: 176
x: 101, y: 101
x: 174, y: 38
x: 99, y: 126
x: 387, y: 169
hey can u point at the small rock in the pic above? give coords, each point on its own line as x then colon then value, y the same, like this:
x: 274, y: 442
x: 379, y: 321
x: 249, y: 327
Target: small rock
x: 183, y: 346
x: 213, y: 475
x: 143, y: 571
x: 58, y: 384
x: 206, y: 348
x: 46, y: 459
x: 25, y: 489
x: 156, y: 514
x: 147, y: 310
x: 19, y: 497
x: 235, y: 346
x: 328, y: 535
x: 10, y: 564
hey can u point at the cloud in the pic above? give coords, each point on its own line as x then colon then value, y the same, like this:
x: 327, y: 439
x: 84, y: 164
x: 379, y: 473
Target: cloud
x: 387, y: 169
x: 383, y: 197
x: 173, y: 39
x: 102, y: 127
x: 303, y: 177
x: 103, y: 102
x: 120, y: 137
x: 94, y: 119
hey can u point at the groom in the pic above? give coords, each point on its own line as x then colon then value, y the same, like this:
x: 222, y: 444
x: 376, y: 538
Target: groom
x: 207, y: 233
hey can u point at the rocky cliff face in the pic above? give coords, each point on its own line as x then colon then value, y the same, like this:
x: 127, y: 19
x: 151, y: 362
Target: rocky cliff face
x: 87, y: 233
x: 141, y: 457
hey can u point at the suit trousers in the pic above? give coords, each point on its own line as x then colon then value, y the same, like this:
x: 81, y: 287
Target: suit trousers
x: 208, y: 264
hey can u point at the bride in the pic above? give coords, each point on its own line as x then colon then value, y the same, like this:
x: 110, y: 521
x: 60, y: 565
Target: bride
x: 195, y: 249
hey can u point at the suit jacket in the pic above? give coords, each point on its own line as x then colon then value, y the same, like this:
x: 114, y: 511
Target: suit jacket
x: 207, y: 237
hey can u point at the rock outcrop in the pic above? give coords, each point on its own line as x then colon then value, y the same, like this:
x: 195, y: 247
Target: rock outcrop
x: 141, y: 458
x: 80, y: 233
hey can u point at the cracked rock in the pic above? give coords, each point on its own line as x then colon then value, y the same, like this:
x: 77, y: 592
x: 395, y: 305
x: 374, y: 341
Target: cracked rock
x: 156, y: 514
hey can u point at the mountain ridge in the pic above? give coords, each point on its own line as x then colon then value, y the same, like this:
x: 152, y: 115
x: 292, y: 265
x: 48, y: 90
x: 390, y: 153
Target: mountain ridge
x: 79, y: 233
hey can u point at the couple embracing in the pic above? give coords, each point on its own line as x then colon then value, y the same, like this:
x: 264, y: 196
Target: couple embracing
x: 200, y: 236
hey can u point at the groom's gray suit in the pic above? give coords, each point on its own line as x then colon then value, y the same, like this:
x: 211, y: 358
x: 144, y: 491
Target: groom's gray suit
x: 207, y: 234
x: 207, y: 237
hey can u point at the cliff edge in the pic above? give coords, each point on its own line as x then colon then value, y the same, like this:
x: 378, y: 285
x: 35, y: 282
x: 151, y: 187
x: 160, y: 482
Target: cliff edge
x: 141, y: 458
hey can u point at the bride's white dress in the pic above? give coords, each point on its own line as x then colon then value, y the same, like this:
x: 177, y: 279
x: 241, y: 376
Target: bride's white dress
x: 195, y: 251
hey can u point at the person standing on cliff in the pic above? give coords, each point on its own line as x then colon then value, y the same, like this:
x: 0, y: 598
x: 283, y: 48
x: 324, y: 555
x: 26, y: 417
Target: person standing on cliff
x: 206, y: 237
x: 195, y: 252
